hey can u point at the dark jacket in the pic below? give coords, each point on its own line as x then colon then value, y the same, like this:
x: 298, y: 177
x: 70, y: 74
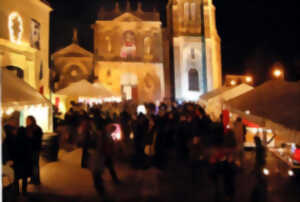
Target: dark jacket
x: 23, y: 164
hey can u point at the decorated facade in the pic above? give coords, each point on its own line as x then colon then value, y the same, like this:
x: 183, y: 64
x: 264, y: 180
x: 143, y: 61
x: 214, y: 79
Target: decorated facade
x: 24, y: 49
x: 136, y: 57
x: 196, y: 47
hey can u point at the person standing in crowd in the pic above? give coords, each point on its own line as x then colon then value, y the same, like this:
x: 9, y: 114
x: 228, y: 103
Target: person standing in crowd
x: 23, y: 164
x: 260, y: 156
x: 101, y: 157
x: 182, y: 138
x: 222, y: 166
x: 84, y: 140
x: 239, y: 133
x: 125, y: 123
x: 150, y: 139
x: 160, y: 150
x: 34, y: 131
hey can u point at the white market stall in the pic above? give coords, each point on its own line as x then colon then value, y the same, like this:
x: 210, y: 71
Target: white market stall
x: 17, y: 95
x: 86, y: 92
x: 274, y: 106
x: 213, y: 100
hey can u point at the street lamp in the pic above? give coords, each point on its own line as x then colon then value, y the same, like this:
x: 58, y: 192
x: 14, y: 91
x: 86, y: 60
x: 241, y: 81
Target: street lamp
x: 277, y: 73
x: 249, y: 79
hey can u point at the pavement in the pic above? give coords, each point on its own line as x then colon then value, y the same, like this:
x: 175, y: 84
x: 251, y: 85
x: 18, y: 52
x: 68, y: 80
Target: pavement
x: 65, y: 181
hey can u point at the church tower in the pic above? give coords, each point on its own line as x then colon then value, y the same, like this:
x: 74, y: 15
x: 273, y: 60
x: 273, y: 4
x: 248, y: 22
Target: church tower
x: 195, y: 48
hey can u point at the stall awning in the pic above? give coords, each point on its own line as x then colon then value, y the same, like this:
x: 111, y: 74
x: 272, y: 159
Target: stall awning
x: 275, y: 105
x: 85, y: 89
x: 17, y: 94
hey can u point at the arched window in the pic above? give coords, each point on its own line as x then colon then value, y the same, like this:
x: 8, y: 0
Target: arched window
x: 193, y: 80
x: 193, y: 12
x: 186, y: 12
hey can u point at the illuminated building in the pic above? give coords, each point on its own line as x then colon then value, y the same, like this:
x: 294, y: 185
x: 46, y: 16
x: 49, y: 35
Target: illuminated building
x: 133, y: 57
x: 196, y: 47
x: 24, y: 43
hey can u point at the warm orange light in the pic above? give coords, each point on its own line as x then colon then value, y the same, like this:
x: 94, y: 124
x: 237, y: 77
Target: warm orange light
x: 277, y: 73
x: 233, y: 82
x: 249, y: 79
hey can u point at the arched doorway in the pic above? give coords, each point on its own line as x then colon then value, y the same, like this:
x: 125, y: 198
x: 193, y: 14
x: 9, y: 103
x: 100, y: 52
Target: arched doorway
x: 129, y: 86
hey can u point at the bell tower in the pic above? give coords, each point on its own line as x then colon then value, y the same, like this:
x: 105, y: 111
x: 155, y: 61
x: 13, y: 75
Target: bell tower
x: 196, y: 48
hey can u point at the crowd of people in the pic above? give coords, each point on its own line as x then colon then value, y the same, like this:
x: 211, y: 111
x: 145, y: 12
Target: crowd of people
x: 184, y: 131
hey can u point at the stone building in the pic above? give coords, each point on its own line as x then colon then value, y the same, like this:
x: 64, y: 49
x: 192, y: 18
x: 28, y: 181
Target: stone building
x: 139, y: 59
x: 24, y: 50
x: 195, y: 47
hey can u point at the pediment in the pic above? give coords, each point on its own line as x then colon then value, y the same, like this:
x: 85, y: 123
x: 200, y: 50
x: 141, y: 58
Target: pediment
x: 73, y: 50
x: 127, y: 17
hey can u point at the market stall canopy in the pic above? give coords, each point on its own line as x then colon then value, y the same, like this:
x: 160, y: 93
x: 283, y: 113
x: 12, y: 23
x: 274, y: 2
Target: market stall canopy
x: 213, y: 100
x: 274, y: 105
x: 16, y: 93
x: 277, y: 100
x: 83, y: 88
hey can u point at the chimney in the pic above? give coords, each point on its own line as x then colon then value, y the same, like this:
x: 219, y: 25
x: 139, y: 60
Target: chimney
x: 139, y: 7
x: 117, y: 7
x: 128, y: 6
x: 75, y: 35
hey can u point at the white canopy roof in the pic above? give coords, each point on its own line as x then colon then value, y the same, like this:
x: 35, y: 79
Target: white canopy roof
x: 275, y: 105
x: 213, y: 100
x: 85, y: 89
x: 16, y: 93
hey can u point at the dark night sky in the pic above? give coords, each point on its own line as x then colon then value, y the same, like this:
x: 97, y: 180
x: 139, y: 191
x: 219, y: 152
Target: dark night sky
x: 255, y: 33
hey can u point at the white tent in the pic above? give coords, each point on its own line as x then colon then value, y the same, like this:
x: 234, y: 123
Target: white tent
x: 17, y: 94
x: 85, y: 89
x: 274, y: 105
x: 213, y: 100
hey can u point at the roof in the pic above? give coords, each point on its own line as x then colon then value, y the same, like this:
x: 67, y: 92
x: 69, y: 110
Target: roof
x: 83, y: 88
x: 16, y: 93
x: 73, y: 50
x: 276, y: 100
x: 226, y: 93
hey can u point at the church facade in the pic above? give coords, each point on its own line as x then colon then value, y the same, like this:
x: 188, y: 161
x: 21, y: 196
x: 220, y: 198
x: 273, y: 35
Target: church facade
x: 137, y: 58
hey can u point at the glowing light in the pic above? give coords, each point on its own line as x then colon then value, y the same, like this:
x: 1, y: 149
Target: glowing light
x: 131, y: 136
x: 277, y: 73
x: 141, y: 109
x: 9, y: 111
x: 269, y: 131
x: 233, y: 82
x: 15, y: 27
x: 249, y: 79
x: 247, y: 112
x: 228, y: 126
x: 266, y: 171
x: 116, y: 135
x: 291, y: 173
x: 260, y: 130
x: 230, y: 115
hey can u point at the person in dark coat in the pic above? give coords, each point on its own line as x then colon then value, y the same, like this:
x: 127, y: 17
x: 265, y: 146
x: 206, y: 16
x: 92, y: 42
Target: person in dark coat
x: 11, y: 130
x: 182, y: 138
x: 36, y: 133
x: 23, y: 164
x: 160, y: 144
x: 84, y: 140
x: 101, y: 157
